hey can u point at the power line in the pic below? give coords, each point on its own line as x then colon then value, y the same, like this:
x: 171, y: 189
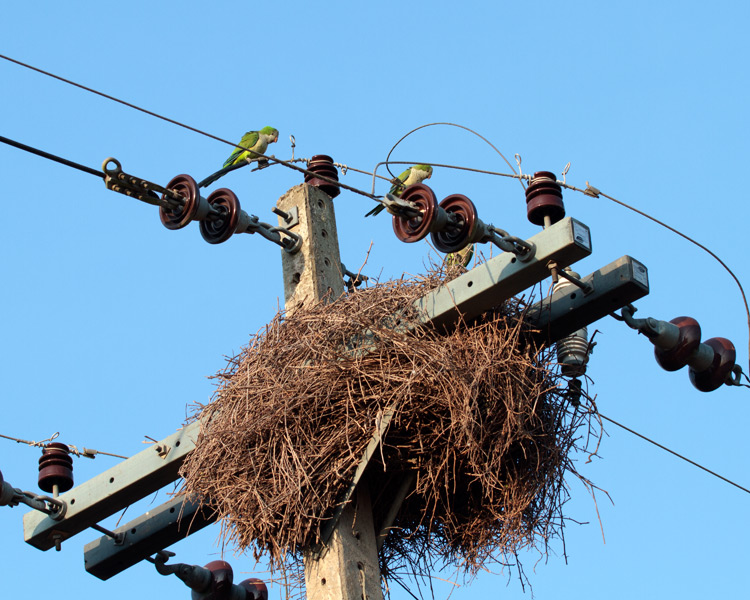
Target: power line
x: 47, y: 155
x: 592, y: 192
x: 658, y: 445
x: 589, y: 191
x: 188, y: 127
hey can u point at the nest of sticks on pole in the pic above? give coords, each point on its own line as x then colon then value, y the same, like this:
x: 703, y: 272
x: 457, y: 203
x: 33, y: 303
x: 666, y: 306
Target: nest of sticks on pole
x: 480, y: 438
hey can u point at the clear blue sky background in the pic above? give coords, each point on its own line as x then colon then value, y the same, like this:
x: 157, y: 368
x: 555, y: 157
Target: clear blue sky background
x: 111, y: 324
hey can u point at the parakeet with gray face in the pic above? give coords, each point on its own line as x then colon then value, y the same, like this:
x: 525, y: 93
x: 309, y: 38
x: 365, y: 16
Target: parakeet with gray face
x: 255, y: 142
x: 411, y: 176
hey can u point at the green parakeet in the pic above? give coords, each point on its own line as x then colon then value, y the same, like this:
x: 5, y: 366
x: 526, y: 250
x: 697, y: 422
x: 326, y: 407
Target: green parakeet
x: 411, y: 176
x: 255, y: 141
x: 461, y: 258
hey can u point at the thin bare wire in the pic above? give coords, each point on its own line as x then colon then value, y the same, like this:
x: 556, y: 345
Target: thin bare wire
x: 692, y: 462
x: 592, y: 192
x: 451, y: 125
x: 86, y: 452
x: 188, y: 127
x: 433, y: 164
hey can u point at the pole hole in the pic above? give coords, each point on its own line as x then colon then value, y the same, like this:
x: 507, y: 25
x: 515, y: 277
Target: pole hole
x: 296, y: 278
x: 323, y: 233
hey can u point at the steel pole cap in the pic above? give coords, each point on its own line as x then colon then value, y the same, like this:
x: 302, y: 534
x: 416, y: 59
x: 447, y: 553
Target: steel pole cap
x: 415, y: 229
x: 216, y: 231
x: 718, y: 373
x: 178, y: 218
x: 453, y: 239
x: 689, y: 339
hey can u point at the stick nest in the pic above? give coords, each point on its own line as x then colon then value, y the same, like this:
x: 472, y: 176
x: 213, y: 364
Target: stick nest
x: 479, y: 438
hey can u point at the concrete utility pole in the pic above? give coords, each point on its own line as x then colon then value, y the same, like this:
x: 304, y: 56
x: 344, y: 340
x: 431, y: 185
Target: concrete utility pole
x: 348, y: 567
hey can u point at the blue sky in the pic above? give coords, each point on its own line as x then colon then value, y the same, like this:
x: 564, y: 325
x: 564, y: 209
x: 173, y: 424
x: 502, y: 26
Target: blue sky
x: 112, y: 324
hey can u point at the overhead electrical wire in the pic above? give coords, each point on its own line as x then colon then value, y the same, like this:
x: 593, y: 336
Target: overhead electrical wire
x: 658, y: 445
x: 589, y: 191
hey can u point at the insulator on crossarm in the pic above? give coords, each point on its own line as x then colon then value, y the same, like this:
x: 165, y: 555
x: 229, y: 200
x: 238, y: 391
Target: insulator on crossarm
x: 465, y: 227
x: 544, y: 203
x: 322, y: 164
x: 232, y: 220
x: 415, y: 228
x: 677, y: 344
x: 55, y: 468
x: 572, y: 350
x: 720, y: 369
x: 193, y: 208
x: 255, y: 588
x: 689, y: 339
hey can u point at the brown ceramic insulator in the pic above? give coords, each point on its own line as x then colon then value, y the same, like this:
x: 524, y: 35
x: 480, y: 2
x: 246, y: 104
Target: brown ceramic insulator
x: 544, y: 198
x: 221, y: 580
x: 416, y: 228
x: 716, y: 375
x: 322, y: 164
x: 181, y: 216
x: 677, y: 357
x: 220, y: 230
x: 256, y: 589
x: 55, y: 468
x: 453, y: 239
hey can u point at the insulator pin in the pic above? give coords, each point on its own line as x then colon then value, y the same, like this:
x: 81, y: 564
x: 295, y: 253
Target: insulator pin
x: 55, y: 468
x: 322, y: 164
x: 544, y: 199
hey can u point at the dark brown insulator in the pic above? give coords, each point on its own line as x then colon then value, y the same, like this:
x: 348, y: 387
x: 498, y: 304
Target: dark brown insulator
x: 55, y: 468
x: 453, y: 239
x: 186, y: 186
x: 322, y: 164
x: 416, y: 228
x: 221, y: 580
x: 256, y: 588
x: 716, y: 375
x: 216, y: 231
x: 544, y: 198
x: 690, y: 337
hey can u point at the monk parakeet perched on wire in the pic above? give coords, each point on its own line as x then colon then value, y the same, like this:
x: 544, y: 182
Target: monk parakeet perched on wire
x: 412, y: 175
x: 255, y: 141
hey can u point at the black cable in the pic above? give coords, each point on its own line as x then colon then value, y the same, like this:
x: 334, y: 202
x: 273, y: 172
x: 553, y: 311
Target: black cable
x: 658, y: 445
x: 188, y: 127
x: 58, y: 159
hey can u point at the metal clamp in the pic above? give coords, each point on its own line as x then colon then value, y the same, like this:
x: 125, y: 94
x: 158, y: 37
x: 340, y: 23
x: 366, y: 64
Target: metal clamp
x: 135, y: 187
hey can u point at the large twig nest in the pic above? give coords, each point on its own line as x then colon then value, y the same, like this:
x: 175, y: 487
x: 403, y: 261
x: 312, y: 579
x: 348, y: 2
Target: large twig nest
x: 480, y: 430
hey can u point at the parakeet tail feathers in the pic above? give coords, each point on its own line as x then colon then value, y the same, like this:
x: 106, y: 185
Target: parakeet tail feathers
x: 219, y: 174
